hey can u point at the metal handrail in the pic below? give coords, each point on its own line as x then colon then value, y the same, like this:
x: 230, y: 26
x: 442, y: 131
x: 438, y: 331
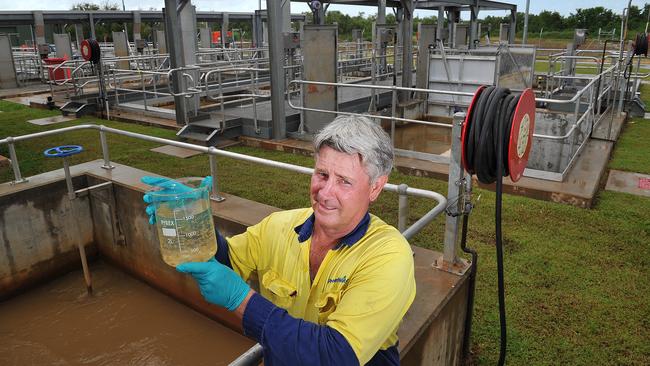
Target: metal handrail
x: 213, y: 152
x: 255, y: 352
x: 392, y: 88
x: 575, y: 98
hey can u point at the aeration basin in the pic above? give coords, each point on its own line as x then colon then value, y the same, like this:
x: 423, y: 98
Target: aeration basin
x: 141, y: 310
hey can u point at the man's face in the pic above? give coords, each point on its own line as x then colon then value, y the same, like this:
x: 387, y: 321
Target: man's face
x: 341, y: 191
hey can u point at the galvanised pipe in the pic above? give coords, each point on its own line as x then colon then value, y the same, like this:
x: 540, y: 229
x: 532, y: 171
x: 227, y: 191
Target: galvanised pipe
x: 18, y: 178
x: 408, y: 233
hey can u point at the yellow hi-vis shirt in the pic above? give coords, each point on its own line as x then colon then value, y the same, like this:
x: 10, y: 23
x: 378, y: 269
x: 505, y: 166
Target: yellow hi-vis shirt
x: 362, y: 290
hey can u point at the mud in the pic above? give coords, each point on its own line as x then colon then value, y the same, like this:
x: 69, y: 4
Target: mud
x: 124, y: 322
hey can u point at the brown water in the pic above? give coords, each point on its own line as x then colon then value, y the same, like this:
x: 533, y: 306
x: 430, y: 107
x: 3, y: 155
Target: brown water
x: 422, y: 138
x: 125, y: 322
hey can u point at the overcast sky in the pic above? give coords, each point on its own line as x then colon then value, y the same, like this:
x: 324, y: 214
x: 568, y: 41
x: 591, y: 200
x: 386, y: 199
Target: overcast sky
x: 564, y: 7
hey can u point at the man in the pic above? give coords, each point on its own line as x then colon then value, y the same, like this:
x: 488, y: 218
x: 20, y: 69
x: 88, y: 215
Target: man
x: 335, y: 281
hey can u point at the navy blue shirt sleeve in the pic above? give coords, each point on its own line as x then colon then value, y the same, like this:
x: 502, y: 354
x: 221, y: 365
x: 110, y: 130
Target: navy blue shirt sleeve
x: 223, y: 254
x: 291, y: 341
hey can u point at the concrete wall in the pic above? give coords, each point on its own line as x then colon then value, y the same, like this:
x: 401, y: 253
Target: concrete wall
x: 139, y: 252
x: 8, y: 78
x: 40, y: 229
x: 554, y: 155
x: 441, y: 343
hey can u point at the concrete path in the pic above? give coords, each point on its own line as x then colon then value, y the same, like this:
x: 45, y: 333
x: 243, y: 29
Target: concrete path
x: 627, y: 182
x: 50, y: 120
x: 178, y: 152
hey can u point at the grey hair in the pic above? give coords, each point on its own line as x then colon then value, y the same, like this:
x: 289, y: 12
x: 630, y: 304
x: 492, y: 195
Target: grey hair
x: 359, y: 135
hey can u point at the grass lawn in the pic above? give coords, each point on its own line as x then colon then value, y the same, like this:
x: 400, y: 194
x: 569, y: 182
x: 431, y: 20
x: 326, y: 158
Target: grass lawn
x: 542, y: 66
x: 577, y: 281
x: 633, y: 147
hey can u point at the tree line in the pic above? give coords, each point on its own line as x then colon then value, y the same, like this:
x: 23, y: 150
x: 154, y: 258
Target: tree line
x: 547, y: 23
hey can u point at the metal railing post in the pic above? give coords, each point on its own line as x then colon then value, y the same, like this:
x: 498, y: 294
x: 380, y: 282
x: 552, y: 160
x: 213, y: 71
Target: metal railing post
x: 403, y: 207
x: 253, y: 78
x: 105, y: 154
x: 393, y: 112
x: 144, y: 94
x: 221, y: 106
x: 454, y: 191
x: 68, y: 179
x: 408, y: 233
x: 575, y: 124
x: 373, y: 75
x: 18, y: 178
x: 215, y: 195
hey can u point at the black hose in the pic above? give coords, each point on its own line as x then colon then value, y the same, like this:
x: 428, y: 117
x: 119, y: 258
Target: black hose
x: 640, y: 48
x: 641, y: 45
x: 502, y: 297
x: 472, y: 285
x: 486, y: 151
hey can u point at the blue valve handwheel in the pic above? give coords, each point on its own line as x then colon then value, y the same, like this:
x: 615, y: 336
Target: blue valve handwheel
x: 62, y: 151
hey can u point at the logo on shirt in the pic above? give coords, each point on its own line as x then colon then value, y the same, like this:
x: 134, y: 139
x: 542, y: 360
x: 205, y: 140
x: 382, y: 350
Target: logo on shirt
x: 343, y: 279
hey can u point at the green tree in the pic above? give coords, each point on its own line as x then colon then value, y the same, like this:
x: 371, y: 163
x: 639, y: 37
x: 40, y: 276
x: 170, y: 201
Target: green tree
x: 103, y: 31
x: 592, y: 19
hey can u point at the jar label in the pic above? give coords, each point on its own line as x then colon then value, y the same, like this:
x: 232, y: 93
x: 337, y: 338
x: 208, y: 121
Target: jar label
x: 168, y: 231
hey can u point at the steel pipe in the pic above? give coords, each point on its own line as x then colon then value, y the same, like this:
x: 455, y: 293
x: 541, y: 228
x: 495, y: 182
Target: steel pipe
x: 408, y: 233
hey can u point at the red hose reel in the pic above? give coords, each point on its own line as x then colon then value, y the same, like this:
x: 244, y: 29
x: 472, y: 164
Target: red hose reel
x: 521, y: 132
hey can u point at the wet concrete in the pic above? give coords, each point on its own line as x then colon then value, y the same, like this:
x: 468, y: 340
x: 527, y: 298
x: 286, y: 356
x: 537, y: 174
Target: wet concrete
x: 50, y: 120
x: 40, y: 232
x: 124, y: 322
x: 30, y: 100
x: 610, y: 126
x: 628, y: 182
x: 178, y: 152
x: 33, y: 89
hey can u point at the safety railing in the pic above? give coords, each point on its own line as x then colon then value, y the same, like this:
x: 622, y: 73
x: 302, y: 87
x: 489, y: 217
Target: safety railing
x: 590, y: 105
x: 28, y: 65
x: 587, y: 110
x: 402, y: 190
x: 393, y: 118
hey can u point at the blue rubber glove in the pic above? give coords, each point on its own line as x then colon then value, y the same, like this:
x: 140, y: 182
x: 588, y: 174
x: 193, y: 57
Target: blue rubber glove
x: 170, y: 187
x: 219, y: 284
